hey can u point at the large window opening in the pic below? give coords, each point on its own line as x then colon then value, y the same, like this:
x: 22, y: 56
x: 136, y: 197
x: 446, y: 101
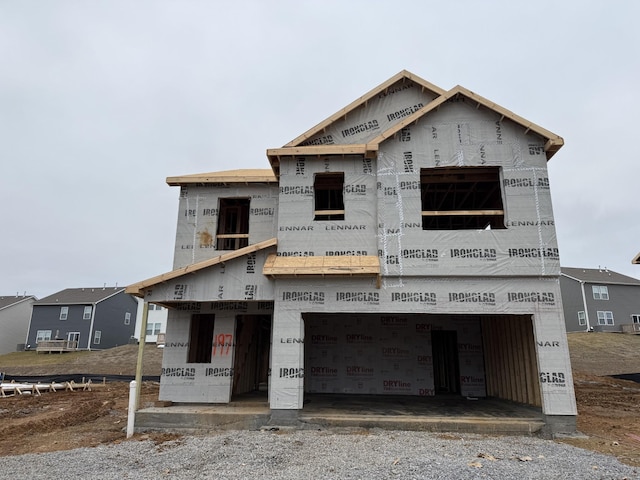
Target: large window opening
x: 329, y: 202
x: 233, y: 224
x: 461, y: 198
x: 200, y: 338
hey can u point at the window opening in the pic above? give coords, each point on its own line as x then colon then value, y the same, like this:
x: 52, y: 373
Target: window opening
x: 200, y: 338
x: 127, y: 318
x: 233, y: 224
x: 87, y: 313
x: 97, y: 336
x: 635, y: 317
x: 64, y: 313
x: 461, y: 198
x: 329, y: 201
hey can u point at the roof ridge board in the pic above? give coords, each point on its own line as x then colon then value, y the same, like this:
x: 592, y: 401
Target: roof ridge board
x: 403, y: 74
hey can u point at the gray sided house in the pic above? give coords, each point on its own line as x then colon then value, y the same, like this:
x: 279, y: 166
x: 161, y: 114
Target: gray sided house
x: 88, y: 318
x: 15, y: 312
x: 600, y: 300
x: 405, y: 246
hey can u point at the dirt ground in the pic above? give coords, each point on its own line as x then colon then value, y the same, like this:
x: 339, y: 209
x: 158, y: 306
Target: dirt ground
x: 607, y: 408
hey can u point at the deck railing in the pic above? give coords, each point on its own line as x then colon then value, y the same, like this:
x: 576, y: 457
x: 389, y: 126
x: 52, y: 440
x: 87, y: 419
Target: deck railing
x: 60, y: 346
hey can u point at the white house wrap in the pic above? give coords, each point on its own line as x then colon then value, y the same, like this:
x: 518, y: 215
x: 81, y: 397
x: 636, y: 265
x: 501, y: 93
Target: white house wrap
x: 404, y: 246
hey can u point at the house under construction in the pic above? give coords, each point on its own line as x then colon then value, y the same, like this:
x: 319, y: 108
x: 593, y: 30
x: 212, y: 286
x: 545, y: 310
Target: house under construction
x: 405, y: 246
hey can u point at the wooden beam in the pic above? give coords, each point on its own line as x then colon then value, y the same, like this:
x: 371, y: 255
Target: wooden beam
x: 453, y: 213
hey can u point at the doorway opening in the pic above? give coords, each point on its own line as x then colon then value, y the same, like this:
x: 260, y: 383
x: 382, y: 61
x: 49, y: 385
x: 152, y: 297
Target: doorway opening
x: 253, y: 347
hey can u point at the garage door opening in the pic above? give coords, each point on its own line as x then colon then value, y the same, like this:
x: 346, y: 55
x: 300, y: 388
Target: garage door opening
x: 423, y: 355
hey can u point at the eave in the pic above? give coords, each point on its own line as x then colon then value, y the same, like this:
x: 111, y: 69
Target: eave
x: 137, y: 289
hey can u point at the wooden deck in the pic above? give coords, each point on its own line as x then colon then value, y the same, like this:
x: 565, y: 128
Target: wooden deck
x: 58, y: 346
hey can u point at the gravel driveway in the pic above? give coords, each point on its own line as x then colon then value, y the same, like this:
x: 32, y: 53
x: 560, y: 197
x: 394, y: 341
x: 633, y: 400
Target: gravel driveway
x: 326, y: 454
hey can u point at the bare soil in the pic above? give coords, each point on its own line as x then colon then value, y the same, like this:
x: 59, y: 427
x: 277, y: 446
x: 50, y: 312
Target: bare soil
x: 607, y: 408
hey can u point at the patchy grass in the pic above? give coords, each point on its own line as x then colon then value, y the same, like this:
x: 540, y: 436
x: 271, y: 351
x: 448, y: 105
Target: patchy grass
x: 599, y: 353
x: 31, y: 358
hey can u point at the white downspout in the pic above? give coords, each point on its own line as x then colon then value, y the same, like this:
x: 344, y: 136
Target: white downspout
x: 584, y: 304
x: 93, y: 317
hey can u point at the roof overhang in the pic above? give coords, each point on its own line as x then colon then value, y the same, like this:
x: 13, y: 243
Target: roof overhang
x: 369, y: 150
x: 553, y: 142
x: 138, y: 289
x: 242, y: 176
x: 350, y: 266
x: 401, y: 76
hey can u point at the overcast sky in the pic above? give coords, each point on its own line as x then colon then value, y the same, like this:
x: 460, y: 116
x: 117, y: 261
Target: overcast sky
x: 101, y: 100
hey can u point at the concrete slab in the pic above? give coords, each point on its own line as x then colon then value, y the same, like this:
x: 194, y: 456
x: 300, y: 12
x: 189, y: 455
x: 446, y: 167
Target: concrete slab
x: 441, y: 413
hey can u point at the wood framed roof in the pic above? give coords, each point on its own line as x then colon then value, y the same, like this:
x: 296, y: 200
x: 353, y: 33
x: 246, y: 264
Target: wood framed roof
x: 366, y: 265
x: 402, y: 75
x: 137, y: 289
x: 254, y: 175
x: 553, y: 142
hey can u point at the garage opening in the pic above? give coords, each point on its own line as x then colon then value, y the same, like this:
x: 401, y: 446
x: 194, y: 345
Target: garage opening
x: 422, y: 355
x: 251, y: 361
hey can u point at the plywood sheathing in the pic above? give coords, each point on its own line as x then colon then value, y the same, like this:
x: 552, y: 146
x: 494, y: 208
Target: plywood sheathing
x: 404, y: 74
x: 367, y: 265
x: 510, y: 359
x: 255, y: 175
x: 137, y: 289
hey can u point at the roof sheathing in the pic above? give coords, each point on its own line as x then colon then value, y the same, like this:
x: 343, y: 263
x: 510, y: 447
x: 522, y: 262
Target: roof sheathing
x: 246, y: 176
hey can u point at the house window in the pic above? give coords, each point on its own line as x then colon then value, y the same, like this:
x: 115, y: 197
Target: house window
x: 153, y: 328
x: 64, y: 313
x: 97, y: 336
x: 200, y: 338
x: 582, y: 318
x: 605, y: 318
x: 43, y: 335
x: 127, y: 318
x: 461, y: 198
x: 233, y: 224
x: 87, y: 313
x: 329, y: 202
x: 635, y: 317
x: 600, y: 292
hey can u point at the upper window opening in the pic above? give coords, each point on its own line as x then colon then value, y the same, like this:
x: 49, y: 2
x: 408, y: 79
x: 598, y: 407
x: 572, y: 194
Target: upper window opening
x: 233, y: 224
x: 461, y: 198
x: 329, y: 202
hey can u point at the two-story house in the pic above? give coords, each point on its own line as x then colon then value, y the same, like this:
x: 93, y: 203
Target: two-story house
x: 86, y: 318
x: 597, y: 299
x: 15, y: 312
x: 404, y: 246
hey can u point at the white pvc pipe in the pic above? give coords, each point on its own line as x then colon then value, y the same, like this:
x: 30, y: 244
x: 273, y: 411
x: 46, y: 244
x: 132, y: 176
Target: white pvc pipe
x: 131, y: 414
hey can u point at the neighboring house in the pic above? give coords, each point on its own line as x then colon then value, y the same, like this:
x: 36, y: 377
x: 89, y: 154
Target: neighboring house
x: 599, y: 300
x: 88, y: 318
x: 156, y: 322
x: 404, y: 246
x: 14, y: 321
